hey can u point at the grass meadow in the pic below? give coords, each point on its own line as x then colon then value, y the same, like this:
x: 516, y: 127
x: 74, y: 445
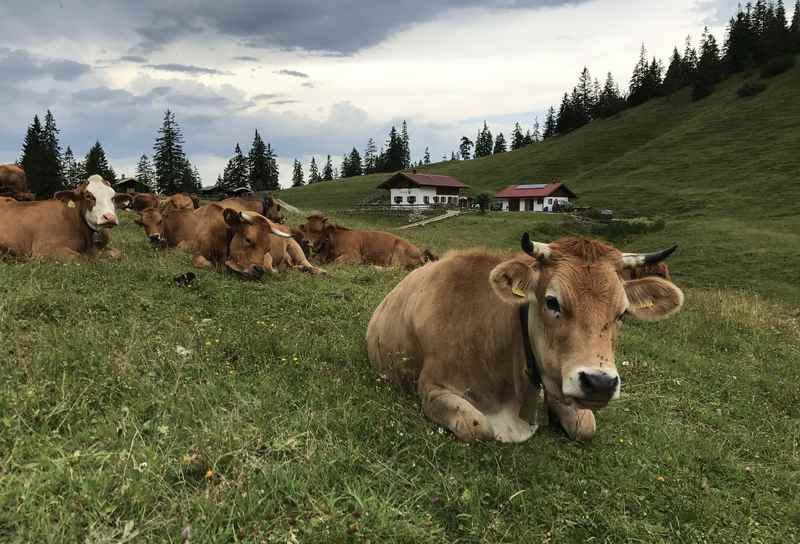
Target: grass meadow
x: 131, y: 409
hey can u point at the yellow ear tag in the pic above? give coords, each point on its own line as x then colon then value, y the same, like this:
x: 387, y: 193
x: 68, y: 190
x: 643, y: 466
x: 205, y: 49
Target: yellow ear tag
x: 70, y: 204
x: 519, y: 292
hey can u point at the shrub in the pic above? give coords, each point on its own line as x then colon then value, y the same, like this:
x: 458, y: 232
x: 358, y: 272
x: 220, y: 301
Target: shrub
x: 777, y: 66
x: 484, y: 200
x: 751, y: 88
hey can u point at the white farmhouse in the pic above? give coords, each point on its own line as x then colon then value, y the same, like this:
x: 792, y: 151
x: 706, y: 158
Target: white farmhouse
x: 534, y: 197
x: 412, y: 190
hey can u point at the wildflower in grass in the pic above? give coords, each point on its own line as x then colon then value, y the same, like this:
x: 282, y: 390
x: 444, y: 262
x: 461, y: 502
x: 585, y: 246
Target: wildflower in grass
x: 660, y: 478
x: 209, y: 473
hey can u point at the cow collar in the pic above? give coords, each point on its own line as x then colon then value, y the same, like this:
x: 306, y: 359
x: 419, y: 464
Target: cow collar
x: 532, y: 367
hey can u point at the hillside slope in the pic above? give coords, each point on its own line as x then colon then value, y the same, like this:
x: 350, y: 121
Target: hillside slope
x: 724, y: 173
x: 731, y: 155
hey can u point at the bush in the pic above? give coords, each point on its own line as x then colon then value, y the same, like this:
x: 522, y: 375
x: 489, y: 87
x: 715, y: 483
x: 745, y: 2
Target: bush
x: 483, y: 201
x: 751, y: 88
x: 778, y: 66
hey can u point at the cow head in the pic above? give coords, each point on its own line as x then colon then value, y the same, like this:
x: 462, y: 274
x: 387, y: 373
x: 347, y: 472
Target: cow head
x: 318, y: 231
x: 273, y: 210
x: 96, y: 202
x: 152, y: 221
x: 578, y: 301
x: 249, y: 246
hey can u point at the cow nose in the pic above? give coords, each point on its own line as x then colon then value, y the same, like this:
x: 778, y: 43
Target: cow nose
x: 110, y: 218
x: 258, y: 271
x: 155, y: 238
x: 598, y: 383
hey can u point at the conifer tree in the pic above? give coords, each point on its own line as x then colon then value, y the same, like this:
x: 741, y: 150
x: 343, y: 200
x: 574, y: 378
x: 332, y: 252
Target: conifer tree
x: 258, y: 165
x: 145, y: 172
x: 297, y: 174
x: 97, y: 163
x: 406, y: 146
x: 516, y: 137
x: 370, y: 157
x: 675, y: 78
x: 427, y: 158
x: 465, y: 148
x: 740, y: 43
x: 32, y: 160
x: 611, y: 101
x: 169, y: 158
x: 500, y: 144
x: 235, y: 174
x: 484, y: 143
x: 550, y: 124
x: 313, y: 172
x: 689, y: 59
x: 394, y: 156
x: 709, y: 67
x: 73, y: 170
x: 327, y: 170
x: 53, y: 167
x: 352, y: 165
x: 527, y: 139
x: 794, y: 28
x: 536, y: 135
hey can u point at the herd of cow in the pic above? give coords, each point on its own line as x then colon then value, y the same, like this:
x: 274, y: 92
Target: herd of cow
x: 546, y: 319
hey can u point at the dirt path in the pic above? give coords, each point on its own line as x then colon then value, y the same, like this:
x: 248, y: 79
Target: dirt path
x: 447, y: 215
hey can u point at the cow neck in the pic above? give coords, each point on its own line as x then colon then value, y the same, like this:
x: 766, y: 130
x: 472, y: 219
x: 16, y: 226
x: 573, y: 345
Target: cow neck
x: 532, y: 368
x: 95, y: 238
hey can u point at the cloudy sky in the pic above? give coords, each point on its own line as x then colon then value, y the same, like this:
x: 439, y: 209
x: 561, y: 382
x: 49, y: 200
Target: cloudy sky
x: 315, y: 77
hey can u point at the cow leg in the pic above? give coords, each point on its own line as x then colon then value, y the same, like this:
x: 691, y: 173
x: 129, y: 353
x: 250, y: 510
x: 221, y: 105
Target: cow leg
x: 61, y: 253
x: 453, y: 411
x: 348, y: 258
x: 510, y: 428
x: 579, y: 424
x: 298, y: 259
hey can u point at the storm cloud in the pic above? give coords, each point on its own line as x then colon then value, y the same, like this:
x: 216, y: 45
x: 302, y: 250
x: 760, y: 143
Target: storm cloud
x: 21, y: 65
x: 186, y: 69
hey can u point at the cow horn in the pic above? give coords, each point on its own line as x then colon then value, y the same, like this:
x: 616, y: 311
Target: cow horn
x: 535, y: 249
x: 635, y: 260
x: 278, y: 233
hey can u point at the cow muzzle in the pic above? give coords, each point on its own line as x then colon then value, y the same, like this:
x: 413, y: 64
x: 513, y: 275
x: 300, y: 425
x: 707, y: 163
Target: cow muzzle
x: 591, y: 387
x: 156, y: 241
x: 254, y: 272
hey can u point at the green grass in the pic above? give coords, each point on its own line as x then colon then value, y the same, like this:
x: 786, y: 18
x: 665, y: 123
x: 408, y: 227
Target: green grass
x: 107, y: 431
x: 270, y: 425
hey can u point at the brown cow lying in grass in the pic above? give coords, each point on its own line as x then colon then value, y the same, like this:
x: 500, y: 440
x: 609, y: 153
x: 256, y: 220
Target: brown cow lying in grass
x: 178, y: 201
x: 74, y: 223
x: 549, y: 318
x: 350, y: 246
x: 206, y: 233
x: 267, y: 207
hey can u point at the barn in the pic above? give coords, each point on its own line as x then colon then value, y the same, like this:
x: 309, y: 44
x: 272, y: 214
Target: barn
x: 412, y: 190
x: 534, y: 197
x: 131, y: 185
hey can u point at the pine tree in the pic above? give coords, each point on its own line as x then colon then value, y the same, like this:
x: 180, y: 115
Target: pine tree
x: 97, y: 163
x: 709, y: 67
x: 500, y: 144
x: 327, y: 170
x: 565, y: 122
x: 465, y: 148
x: 637, y: 91
x: 676, y: 77
x: 53, y: 167
x: 536, y: 135
x: 258, y: 165
x: 145, y: 172
x: 394, y: 157
x: 516, y: 137
x: 584, y: 102
x: 406, y: 145
x: 528, y: 138
x: 313, y: 172
x: 235, y: 174
x: 740, y: 43
x: 550, y: 124
x: 297, y: 174
x: 794, y: 28
x: 168, y: 156
x: 73, y: 170
x: 273, y: 171
x: 351, y: 165
x: 689, y: 59
x: 611, y: 101
x: 190, y: 179
x: 484, y: 143
x: 427, y: 157
x: 370, y: 157
x: 32, y: 160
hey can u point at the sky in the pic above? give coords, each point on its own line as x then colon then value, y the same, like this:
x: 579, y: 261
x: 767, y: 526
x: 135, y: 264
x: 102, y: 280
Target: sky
x: 314, y: 77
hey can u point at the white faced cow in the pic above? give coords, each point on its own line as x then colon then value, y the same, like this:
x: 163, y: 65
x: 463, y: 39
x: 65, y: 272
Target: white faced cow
x: 467, y: 329
x: 73, y: 223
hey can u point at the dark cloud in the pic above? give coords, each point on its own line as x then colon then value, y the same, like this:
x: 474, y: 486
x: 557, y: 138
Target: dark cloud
x: 101, y: 94
x: 266, y: 96
x: 309, y: 84
x: 292, y: 73
x: 186, y: 69
x: 245, y: 58
x: 20, y: 65
x: 133, y: 58
x: 283, y: 102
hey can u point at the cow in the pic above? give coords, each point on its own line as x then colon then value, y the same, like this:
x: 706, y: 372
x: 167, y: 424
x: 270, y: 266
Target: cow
x: 142, y: 201
x: 350, y: 246
x: 478, y: 334
x: 267, y: 207
x: 206, y: 231
x: 178, y: 201
x: 12, y: 180
x: 73, y: 223
x: 4, y: 199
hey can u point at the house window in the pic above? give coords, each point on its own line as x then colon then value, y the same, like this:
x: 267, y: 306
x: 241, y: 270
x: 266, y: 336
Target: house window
x: 540, y: 201
x: 411, y: 199
x: 549, y: 200
x: 426, y: 200
x: 398, y: 199
x: 436, y: 200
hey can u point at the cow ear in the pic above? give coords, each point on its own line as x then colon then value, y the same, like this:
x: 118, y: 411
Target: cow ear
x: 514, y: 280
x: 123, y: 200
x: 232, y: 217
x: 69, y: 196
x: 653, y: 298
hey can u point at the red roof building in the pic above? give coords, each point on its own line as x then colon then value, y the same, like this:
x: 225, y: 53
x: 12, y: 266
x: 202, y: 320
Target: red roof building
x: 411, y: 190
x: 534, y: 197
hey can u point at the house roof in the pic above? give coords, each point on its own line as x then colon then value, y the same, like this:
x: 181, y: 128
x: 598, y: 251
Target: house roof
x: 533, y: 190
x: 424, y: 180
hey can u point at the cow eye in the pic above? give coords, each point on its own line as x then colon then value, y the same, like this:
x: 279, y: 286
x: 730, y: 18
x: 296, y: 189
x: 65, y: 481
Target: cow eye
x: 552, y: 304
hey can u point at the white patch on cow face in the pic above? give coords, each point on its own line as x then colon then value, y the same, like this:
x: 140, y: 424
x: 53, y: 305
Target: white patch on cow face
x: 103, y: 213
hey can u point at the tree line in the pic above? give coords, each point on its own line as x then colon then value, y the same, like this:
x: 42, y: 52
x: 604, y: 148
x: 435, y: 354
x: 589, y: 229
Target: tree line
x: 257, y: 171
x: 48, y: 170
x: 759, y: 34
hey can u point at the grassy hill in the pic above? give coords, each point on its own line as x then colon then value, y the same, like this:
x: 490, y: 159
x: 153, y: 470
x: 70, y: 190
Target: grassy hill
x: 723, y: 172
